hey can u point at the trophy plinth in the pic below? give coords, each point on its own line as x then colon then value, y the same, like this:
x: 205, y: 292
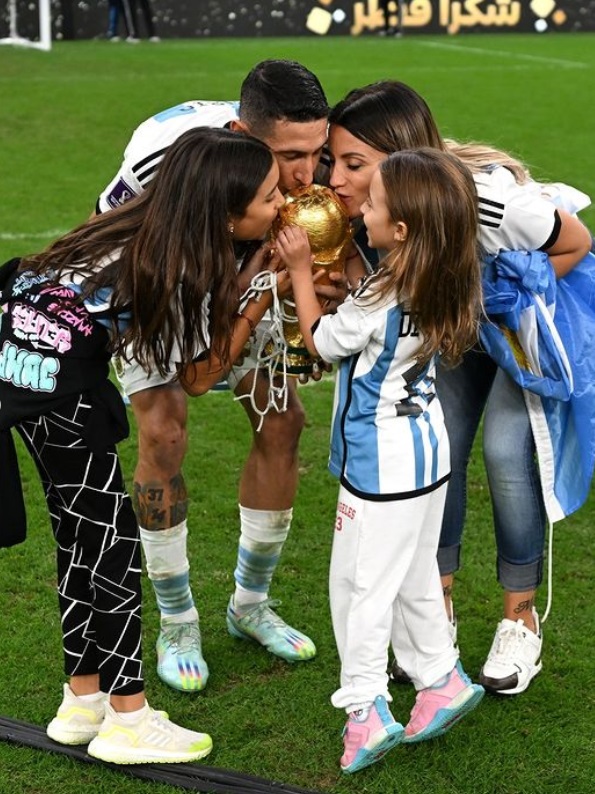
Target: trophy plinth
x: 319, y: 211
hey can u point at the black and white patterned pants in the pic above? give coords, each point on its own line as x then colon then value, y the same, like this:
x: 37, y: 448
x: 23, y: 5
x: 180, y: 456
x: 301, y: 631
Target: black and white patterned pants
x: 98, y: 549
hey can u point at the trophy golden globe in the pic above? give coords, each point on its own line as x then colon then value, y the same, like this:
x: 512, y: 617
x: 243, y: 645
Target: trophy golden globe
x: 321, y: 213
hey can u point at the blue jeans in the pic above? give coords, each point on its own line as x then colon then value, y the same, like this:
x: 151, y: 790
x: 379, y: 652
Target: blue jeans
x: 509, y: 456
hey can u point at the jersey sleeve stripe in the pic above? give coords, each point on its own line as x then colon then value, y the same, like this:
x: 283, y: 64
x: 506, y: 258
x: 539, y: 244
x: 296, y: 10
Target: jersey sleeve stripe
x: 490, y: 214
x: 153, y: 156
x: 147, y: 175
x: 555, y: 233
x: 497, y: 204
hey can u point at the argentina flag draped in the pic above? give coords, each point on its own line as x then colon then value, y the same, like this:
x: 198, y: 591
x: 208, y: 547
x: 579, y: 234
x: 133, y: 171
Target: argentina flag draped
x: 541, y: 331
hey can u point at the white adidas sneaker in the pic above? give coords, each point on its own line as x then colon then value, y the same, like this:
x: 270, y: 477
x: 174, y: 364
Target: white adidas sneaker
x: 154, y: 739
x: 77, y: 721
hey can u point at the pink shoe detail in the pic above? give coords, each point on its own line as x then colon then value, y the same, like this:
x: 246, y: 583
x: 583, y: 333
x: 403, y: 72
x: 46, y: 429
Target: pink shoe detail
x: 438, y: 708
x: 368, y: 741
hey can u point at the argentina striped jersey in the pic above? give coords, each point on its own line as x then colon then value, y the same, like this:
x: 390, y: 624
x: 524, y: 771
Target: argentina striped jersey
x: 388, y: 439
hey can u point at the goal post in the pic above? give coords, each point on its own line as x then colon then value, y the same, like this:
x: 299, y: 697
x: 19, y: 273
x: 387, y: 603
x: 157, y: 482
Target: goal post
x: 45, y: 27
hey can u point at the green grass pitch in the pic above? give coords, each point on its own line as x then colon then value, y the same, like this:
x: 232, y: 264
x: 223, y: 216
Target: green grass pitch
x: 65, y: 117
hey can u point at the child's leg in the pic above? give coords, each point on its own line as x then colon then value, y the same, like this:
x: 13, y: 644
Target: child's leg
x: 100, y: 594
x: 372, y: 549
x: 422, y: 638
x: 362, y: 591
x: 98, y: 550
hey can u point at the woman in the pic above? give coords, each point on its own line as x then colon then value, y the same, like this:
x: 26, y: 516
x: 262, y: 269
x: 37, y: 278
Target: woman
x: 157, y: 278
x: 365, y: 127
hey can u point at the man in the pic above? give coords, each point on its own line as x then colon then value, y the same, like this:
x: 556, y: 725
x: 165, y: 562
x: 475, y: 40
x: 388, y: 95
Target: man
x: 284, y: 105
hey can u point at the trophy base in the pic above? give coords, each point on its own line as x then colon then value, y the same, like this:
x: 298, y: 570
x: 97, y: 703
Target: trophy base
x: 298, y: 361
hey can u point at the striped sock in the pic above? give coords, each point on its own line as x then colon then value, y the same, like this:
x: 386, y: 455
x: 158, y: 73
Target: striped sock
x: 169, y: 572
x: 263, y: 533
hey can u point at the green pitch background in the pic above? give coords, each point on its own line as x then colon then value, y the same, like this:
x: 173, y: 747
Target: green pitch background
x: 65, y: 117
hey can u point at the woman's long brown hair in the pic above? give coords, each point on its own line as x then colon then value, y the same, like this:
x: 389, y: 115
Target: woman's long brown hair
x: 168, y: 253
x: 436, y: 269
x: 388, y: 116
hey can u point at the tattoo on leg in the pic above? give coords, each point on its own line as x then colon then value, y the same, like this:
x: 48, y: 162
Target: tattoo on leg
x: 150, y: 505
x: 179, y: 500
x: 524, y: 606
x: 447, y: 590
x: 158, y: 507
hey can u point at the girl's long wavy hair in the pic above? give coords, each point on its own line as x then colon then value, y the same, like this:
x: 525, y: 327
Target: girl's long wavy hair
x: 436, y: 269
x: 168, y: 254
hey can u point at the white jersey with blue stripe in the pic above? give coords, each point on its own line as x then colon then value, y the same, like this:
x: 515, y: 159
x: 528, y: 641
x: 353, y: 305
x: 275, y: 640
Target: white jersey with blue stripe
x: 388, y: 436
x: 150, y: 141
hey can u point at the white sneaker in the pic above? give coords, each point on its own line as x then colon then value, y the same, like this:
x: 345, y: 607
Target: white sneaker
x: 154, y: 739
x: 514, y: 658
x: 77, y: 721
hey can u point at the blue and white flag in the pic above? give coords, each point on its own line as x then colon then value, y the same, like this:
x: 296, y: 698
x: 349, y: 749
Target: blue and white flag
x: 541, y: 331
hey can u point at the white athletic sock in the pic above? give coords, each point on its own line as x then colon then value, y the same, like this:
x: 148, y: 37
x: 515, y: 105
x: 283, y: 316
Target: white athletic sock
x: 92, y: 698
x: 168, y: 569
x: 360, y: 712
x: 262, y: 535
x: 132, y: 716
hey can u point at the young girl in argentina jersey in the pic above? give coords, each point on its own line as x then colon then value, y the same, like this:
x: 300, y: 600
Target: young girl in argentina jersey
x: 389, y: 446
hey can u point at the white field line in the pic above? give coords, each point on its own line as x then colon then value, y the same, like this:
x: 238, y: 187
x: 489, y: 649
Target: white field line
x: 522, y: 56
x: 32, y: 235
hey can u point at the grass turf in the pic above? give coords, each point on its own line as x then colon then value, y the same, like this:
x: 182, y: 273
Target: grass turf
x: 65, y: 117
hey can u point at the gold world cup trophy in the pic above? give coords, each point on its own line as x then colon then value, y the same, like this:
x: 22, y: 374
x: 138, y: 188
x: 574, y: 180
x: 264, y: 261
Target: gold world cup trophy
x: 321, y: 213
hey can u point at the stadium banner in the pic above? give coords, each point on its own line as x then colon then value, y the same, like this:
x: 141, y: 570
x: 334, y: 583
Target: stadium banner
x: 77, y: 19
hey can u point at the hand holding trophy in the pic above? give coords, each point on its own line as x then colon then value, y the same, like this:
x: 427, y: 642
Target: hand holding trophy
x: 319, y: 211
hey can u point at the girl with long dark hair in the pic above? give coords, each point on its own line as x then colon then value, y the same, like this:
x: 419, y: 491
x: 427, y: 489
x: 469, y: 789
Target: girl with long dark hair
x: 156, y: 279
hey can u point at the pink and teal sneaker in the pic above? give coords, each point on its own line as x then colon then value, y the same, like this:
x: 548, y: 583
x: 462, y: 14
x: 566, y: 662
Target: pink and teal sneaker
x: 367, y: 741
x: 441, y: 706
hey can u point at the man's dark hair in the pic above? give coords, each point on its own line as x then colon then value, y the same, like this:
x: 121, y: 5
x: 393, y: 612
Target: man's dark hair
x: 278, y: 90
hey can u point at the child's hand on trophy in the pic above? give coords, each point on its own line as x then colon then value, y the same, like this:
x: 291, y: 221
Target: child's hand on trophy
x: 294, y: 249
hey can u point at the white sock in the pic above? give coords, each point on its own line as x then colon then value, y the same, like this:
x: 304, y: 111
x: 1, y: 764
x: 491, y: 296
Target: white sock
x: 360, y: 712
x: 132, y: 716
x: 94, y: 697
x: 262, y: 535
x: 169, y: 572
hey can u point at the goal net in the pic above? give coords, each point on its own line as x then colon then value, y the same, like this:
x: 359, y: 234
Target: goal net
x: 42, y: 16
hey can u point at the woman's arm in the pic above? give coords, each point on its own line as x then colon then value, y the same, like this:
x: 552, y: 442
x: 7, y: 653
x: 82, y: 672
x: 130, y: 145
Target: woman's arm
x: 200, y: 376
x: 208, y: 369
x: 572, y: 244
